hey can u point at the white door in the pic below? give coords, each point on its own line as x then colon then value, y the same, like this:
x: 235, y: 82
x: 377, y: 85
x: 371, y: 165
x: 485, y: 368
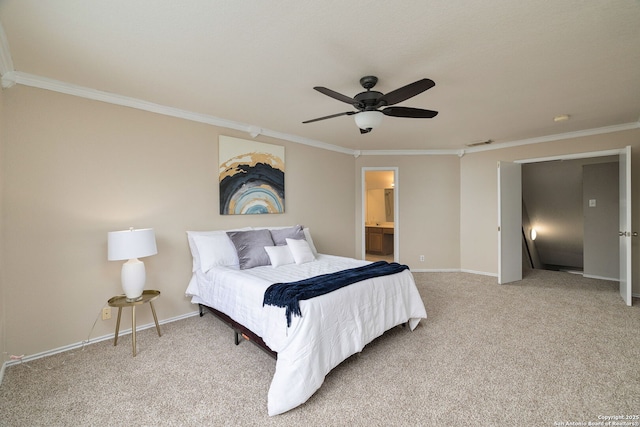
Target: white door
x: 625, y: 226
x: 509, y: 222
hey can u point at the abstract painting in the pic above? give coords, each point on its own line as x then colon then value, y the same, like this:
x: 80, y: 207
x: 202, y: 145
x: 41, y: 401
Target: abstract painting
x: 251, y: 177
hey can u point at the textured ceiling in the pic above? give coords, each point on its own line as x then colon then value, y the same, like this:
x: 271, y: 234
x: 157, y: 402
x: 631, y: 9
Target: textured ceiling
x: 503, y: 69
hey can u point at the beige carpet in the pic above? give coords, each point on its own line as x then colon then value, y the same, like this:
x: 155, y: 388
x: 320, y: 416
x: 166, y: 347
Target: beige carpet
x: 554, y: 348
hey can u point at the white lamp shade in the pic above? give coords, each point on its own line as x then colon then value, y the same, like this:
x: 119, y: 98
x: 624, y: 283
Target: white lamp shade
x: 131, y: 244
x: 369, y: 119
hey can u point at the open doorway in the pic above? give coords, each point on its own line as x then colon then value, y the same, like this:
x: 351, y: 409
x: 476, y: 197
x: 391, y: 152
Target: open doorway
x: 570, y: 214
x: 380, y: 206
x: 510, y: 229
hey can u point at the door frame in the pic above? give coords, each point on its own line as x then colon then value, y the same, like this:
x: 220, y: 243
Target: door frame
x: 509, y: 222
x: 396, y: 209
x: 625, y: 233
x: 586, y: 155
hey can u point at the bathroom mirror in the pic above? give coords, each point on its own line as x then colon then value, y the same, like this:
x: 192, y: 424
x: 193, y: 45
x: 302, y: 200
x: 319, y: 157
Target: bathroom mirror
x: 388, y: 204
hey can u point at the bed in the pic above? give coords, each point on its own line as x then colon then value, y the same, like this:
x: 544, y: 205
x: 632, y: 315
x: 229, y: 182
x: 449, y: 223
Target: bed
x: 233, y: 269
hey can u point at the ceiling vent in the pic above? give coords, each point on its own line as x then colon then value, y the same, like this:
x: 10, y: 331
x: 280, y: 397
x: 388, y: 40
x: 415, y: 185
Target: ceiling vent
x: 477, y: 144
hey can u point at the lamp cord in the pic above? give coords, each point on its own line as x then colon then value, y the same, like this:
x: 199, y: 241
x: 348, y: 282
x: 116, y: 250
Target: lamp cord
x: 67, y: 353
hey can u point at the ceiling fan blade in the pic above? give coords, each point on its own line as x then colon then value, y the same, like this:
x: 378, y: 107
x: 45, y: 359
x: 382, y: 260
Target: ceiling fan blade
x: 335, y: 95
x: 405, y: 92
x: 415, y: 113
x: 346, y: 113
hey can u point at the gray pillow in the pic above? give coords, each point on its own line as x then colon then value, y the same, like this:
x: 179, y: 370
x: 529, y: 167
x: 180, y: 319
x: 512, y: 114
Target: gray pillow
x: 281, y: 235
x: 250, y: 247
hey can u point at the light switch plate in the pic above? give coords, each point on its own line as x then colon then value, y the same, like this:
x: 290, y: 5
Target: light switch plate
x: 592, y: 203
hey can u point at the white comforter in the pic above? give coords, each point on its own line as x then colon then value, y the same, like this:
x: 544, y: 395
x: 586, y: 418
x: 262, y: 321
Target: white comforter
x: 333, y: 326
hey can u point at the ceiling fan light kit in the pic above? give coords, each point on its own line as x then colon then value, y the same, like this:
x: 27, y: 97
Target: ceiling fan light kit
x: 369, y: 116
x: 368, y: 120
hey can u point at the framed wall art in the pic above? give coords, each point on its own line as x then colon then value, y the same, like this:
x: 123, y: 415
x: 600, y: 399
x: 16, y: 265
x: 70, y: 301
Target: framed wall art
x: 251, y: 177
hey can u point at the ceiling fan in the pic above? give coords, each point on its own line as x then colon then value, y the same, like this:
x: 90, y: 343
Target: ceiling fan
x: 368, y: 103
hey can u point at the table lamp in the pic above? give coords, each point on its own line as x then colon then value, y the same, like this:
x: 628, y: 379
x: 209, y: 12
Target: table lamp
x: 130, y: 245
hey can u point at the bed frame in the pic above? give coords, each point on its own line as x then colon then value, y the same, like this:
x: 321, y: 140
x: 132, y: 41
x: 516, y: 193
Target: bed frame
x: 239, y: 330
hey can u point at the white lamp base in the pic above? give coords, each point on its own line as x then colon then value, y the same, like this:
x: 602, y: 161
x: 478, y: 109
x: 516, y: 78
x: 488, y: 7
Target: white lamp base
x: 133, y: 278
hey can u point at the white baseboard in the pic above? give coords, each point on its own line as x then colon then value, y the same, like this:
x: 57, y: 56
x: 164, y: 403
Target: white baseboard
x: 435, y: 270
x: 451, y: 270
x: 591, y: 276
x: 482, y: 273
x: 80, y: 344
x: 2, y: 368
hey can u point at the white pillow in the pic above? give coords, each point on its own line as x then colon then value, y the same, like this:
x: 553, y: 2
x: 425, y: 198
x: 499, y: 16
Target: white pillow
x: 307, y: 237
x: 301, y: 251
x: 279, y: 255
x: 216, y: 250
x: 194, y: 249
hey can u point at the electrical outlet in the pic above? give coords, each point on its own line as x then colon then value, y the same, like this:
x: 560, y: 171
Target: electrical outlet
x: 106, y: 313
x: 422, y: 258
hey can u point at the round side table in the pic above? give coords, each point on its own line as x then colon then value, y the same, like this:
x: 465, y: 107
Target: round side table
x: 120, y: 301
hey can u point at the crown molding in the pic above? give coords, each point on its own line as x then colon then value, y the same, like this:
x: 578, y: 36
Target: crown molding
x: 125, y: 101
x: 410, y: 152
x: 12, y: 77
x: 308, y: 141
x: 112, y: 98
x: 509, y: 144
x: 557, y: 137
x: 8, y: 79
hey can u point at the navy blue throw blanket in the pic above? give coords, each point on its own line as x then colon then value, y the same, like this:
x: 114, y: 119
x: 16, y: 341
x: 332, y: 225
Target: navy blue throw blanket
x: 290, y: 294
